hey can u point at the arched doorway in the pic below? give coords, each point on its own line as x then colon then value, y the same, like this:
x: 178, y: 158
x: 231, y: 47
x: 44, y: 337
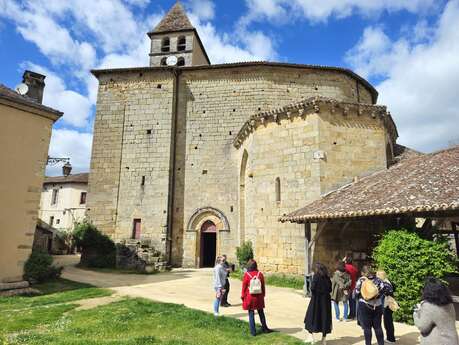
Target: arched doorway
x: 208, y: 244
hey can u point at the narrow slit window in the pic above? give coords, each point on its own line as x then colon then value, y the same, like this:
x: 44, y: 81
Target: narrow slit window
x: 55, y: 196
x: 83, y: 198
x: 278, y: 189
x: 143, y: 181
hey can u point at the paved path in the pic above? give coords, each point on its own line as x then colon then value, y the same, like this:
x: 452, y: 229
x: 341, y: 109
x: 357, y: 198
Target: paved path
x: 193, y: 288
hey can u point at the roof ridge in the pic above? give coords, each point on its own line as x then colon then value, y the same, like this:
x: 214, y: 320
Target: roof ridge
x: 174, y: 20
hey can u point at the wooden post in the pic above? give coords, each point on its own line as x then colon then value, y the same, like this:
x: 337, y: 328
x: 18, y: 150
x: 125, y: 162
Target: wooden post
x: 307, y: 258
x: 456, y: 237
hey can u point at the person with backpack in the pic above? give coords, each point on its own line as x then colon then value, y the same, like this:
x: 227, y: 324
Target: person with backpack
x: 341, y: 283
x: 253, y: 296
x: 318, y: 316
x: 369, y: 290
x: 220, y: 275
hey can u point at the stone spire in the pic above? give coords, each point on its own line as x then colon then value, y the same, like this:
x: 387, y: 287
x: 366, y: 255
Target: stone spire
x: 175, y: 20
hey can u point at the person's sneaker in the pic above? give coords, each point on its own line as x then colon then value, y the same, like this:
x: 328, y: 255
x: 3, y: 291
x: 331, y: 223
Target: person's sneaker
x: 341, y: 320
x: 216, y: 315
x: 389, y: 341
x: 267, y: 330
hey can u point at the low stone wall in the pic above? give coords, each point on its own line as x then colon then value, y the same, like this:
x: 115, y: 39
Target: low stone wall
x: 139, y: 256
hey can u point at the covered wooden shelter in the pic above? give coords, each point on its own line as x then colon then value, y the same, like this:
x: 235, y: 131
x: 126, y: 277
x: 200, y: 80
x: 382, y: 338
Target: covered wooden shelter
x: 418, y: 190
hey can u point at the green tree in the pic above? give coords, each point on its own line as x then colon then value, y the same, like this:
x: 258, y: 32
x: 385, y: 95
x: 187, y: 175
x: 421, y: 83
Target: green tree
x: 244, y: 253
x: 97, y: 249
x: 408, y: 260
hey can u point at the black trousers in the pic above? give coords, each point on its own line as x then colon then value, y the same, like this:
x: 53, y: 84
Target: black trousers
x: 352, y: 307
x: 389, y: 324
x: 225, y: 295
x: 369, y: 318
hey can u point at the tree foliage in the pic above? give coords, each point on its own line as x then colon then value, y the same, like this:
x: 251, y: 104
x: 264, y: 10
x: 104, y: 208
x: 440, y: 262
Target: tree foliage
x: 97, y: 249
x: 39, y: 267
x: 244, y: 253
x: 409, y: 260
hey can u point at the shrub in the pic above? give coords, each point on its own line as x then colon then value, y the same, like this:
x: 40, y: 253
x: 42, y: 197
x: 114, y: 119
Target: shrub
x: 39, y: 267
x: 244, y: 253
x: 97, y: 249
x: 408, y: 260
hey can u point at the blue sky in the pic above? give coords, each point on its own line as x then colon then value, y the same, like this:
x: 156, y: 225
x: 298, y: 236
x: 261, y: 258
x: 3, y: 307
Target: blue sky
x: 408, y: 49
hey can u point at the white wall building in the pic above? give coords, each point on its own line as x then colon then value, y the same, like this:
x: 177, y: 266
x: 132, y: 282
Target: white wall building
x: 63, y: 200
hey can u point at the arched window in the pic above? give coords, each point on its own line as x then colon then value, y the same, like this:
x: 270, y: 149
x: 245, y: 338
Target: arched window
x: 181, y: 43
x: 164, y: 61
x: 166, y: 45
x: 278, y: 189
x: 180, y: 62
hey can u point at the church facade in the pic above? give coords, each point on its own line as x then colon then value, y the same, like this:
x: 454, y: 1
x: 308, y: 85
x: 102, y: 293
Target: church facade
x: 197, y: 158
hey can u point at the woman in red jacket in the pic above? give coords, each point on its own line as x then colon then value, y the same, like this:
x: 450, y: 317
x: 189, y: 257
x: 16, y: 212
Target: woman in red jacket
x: 253, y: 296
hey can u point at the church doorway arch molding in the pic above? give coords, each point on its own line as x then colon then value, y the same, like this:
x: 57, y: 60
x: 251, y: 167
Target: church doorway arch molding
x: 207, y: 222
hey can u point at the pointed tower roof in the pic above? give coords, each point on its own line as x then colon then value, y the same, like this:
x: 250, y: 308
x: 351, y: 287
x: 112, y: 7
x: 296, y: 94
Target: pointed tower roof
x: 175, y: 20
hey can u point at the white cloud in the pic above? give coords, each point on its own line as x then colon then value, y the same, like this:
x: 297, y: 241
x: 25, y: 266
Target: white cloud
x: 52, y: 39
x: 240, y: 45
x: 419, y: 78
x: 76, y: 107
x: 203, y: 9
x: 283, y: 11
x: 72, y: 144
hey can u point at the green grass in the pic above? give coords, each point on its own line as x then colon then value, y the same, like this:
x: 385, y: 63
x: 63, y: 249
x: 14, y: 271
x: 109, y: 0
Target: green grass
x: 279, y: 280
x: 18, y: 313
x: 127, y: 322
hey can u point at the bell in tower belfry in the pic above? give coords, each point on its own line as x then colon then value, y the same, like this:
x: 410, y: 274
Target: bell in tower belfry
x: 175, y: 41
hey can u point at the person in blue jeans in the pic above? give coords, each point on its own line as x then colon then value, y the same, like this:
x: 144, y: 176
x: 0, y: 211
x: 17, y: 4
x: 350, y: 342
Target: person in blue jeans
x: 220, y: 275
x: 341, y: 284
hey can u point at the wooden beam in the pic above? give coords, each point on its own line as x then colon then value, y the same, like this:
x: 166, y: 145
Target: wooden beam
x: 320, y: 228
x: 456, y: 236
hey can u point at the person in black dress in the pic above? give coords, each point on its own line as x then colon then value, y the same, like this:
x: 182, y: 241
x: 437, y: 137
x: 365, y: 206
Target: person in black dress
x: 318, y: 317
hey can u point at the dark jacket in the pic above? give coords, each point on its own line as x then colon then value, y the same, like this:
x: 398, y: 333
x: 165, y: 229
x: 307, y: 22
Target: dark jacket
x: 318, y: 317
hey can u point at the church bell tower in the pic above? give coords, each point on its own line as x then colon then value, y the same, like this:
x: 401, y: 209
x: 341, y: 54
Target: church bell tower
x: 175, y: 41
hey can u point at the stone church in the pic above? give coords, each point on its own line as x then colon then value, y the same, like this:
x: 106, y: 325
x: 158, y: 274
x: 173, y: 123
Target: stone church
x: 197, y: 158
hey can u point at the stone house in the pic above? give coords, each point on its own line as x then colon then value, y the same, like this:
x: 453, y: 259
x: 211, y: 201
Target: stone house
x: 24, y: 138
x: 198, y: 158
x: 63, y: 200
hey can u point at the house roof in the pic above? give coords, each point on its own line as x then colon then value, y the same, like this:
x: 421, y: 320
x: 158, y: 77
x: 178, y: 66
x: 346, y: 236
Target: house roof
x: 175, y: 20
x: 74, y: 178
x: 45, y: 226
x: 11, y: 95
x: 249, y: 64
x: 415, y: 185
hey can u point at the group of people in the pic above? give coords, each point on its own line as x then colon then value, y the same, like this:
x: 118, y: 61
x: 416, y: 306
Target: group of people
x: 252, y: 294
x: 370, y: 298
x: 367, y: 296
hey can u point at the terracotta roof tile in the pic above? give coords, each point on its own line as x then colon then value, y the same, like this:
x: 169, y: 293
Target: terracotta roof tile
x: 424, y: 183
x: 175, y: 20
x: 74, y: 178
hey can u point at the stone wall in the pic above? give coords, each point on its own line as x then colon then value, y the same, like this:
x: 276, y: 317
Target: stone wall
x: 24, y: 137
x: 212, y: 106
x: 132, y: 138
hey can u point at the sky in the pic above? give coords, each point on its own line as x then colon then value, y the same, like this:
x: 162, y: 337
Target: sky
x: 408, y: 49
